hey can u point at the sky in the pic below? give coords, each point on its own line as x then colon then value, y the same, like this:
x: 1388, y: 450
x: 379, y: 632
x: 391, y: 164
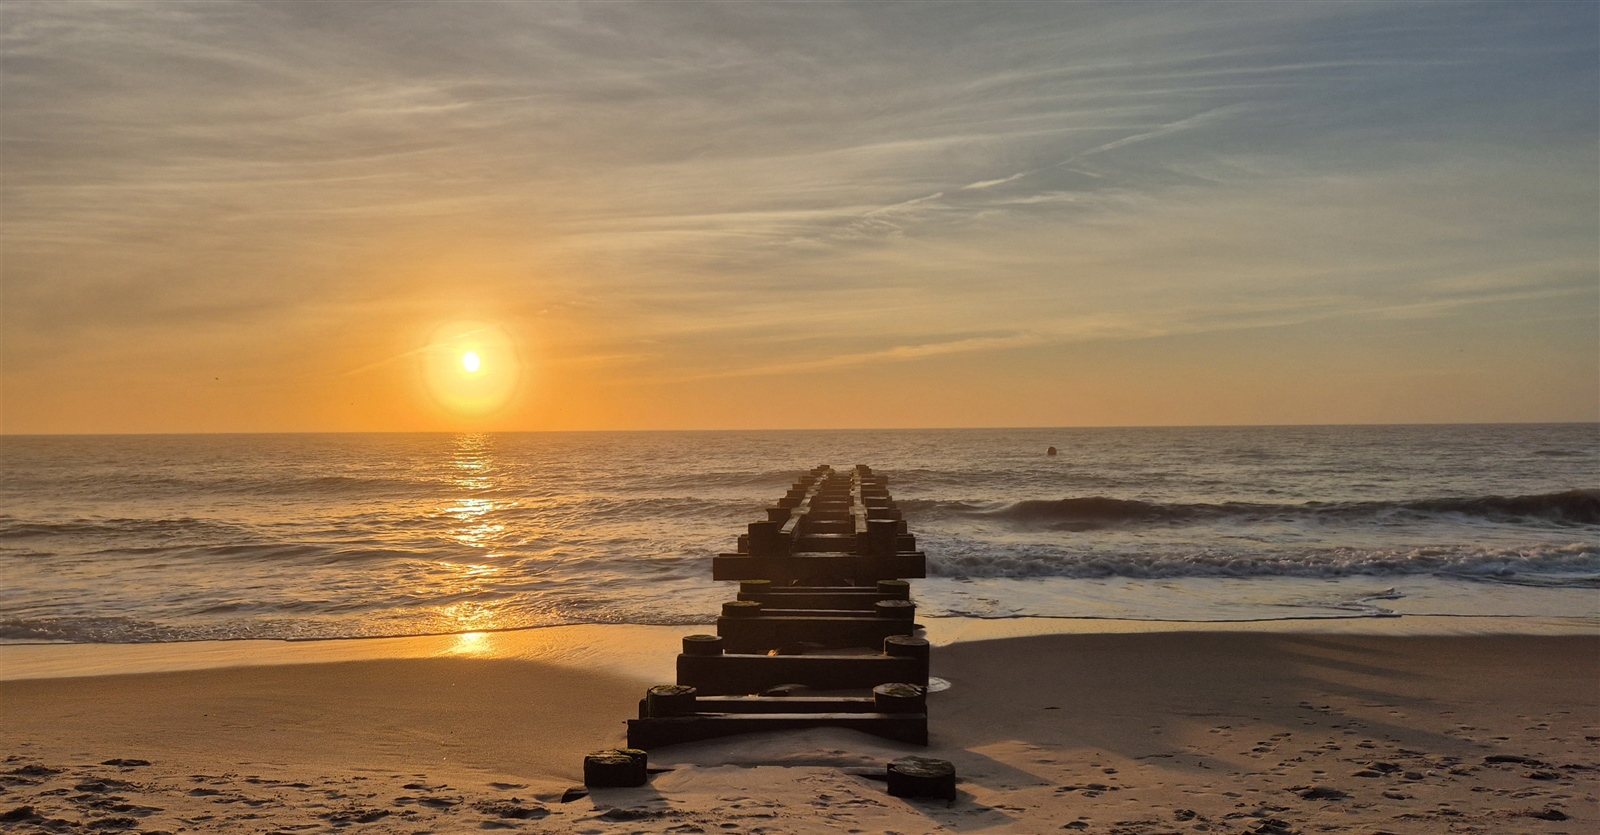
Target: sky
x: 298, y: 216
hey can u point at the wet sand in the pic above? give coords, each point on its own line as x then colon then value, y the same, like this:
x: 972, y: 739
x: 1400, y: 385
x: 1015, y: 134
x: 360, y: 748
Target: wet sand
x: 1232, y: 732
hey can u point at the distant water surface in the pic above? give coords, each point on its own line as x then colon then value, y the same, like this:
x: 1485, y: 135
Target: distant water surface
x: 164, y: 538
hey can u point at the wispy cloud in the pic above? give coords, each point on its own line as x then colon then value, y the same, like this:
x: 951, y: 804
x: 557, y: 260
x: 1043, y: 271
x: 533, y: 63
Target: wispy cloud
x: 899, y: 353
x: 1000, y: 182
x: 1165, y: 130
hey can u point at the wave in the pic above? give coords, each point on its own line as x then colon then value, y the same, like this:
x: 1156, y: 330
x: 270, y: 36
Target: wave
x: 765, y: 480
x: 202, y: 486
x: 123, y: 630
x: 14, y: 528
x: 334, y: 485
x: 1563, y: 453
x: 1568, y: 508
x: 1576, y: 565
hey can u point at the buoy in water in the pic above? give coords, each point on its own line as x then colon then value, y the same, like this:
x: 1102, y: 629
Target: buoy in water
x: 1050, y: 451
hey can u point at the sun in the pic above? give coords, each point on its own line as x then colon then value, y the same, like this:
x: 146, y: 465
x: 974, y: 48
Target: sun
x: 471, y: 368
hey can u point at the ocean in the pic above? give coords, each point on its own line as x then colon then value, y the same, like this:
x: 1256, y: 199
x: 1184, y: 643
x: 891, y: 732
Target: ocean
x: 135, y: 539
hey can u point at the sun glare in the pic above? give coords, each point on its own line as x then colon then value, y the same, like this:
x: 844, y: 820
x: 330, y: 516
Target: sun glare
x: 471, y: 368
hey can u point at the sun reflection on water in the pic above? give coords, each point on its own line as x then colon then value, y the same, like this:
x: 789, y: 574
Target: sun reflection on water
x: 473, y: 526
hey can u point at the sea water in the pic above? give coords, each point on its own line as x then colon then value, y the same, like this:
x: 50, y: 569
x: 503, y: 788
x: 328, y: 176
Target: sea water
x: 127, y: 539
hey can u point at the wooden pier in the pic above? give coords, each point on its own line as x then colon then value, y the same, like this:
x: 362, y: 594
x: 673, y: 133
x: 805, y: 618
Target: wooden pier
x: 821, y: 632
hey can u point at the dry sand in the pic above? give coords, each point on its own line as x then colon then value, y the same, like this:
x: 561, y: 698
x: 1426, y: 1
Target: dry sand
x: 1235, y: 732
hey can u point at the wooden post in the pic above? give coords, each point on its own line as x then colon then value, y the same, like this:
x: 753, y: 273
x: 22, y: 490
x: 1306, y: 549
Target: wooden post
x: 880, y: 538
x: 922, y: 777
x: 905, y: 646
x: 899, y: 609
x: 669, y: 700
x: 702, y: 644
x: 741, y: 608
x: 766, y: 540
x: 899, y: 697
x: 615, y: 768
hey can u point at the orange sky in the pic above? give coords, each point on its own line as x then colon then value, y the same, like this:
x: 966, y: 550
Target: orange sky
x: 257, y: 217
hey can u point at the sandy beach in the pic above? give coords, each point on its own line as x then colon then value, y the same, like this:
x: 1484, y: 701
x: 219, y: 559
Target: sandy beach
x: 1153, y: 732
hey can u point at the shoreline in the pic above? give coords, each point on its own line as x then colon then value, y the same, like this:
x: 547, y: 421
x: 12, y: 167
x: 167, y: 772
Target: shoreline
x: 648, y: 650
x: 1207, y: 731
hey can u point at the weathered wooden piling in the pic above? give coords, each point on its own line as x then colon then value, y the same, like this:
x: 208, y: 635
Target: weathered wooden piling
x: 922, y: 777
x: 670, y: 700
x: 900, y: 697
x: 615, y: 768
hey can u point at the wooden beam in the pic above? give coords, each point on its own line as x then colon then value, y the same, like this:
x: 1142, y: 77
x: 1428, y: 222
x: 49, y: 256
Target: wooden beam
x: 820, y: 567
x: 723, y: 675
x: 762, y: 633
x: 653, y: 733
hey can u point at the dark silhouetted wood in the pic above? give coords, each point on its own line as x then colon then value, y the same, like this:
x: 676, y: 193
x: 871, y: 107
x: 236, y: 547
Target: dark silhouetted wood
x: 652, y: 733
x: 616, y: 768
x: 820, y: 567
x: 735, y: 674
x: 825, y: 571
x: 769, y: 632
x: 922, y: 777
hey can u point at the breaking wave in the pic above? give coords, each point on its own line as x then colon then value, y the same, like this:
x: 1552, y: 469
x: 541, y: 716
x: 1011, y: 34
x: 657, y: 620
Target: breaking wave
x: 1569, y: 565
x: 1568, y: 508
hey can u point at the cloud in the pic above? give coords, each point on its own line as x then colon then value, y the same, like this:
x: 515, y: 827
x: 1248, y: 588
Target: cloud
x: 1000, y: 182
x: 1165, y: 130
x: 899, y: 353
x: 265, y: 182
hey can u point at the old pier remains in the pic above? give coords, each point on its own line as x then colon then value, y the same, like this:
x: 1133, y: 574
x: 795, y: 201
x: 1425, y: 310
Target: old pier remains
x: 820, y: 634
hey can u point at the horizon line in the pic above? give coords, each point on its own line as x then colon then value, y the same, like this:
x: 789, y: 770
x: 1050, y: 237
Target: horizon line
x: 4, y: 434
